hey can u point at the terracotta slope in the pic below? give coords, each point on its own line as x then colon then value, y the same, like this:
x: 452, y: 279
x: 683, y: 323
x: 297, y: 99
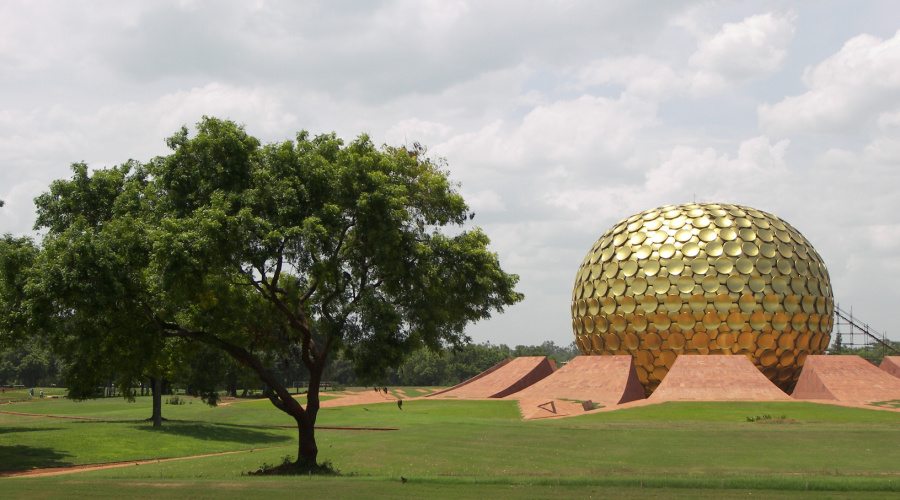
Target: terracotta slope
x: 608, y: 380
x: 891, y: 364
x: 845, y: 378
x: 716, y: 378
x: 502, y: 379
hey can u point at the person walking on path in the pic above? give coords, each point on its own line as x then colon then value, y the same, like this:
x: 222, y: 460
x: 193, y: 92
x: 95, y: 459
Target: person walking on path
x: 42, y: 393
x: 32, y: 392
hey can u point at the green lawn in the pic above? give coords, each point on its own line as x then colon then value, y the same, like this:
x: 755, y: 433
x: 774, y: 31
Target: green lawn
x: 457, y: 448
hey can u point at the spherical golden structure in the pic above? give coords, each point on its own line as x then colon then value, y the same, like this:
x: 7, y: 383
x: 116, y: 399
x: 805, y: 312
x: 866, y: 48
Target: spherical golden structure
x: 703, y: 278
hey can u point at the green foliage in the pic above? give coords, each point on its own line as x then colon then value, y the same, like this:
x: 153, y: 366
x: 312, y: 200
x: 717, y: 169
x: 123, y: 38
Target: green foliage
x: 272, y: 254
x: 452, y: 366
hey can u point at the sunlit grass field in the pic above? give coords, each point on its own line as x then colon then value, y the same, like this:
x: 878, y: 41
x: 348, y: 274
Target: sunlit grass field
x: 457, y: 448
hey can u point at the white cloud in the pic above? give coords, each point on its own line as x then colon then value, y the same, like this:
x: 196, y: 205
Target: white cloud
x: 858, y: 83
x: 751, y: 49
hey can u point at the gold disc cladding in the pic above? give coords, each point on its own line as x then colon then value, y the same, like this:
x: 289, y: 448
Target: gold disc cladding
x: 703, y: 278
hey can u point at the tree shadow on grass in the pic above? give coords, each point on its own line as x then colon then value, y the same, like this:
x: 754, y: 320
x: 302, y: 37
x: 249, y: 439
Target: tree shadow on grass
x: 8, y: 429
x: 215, y: 432
x: 21, y: 457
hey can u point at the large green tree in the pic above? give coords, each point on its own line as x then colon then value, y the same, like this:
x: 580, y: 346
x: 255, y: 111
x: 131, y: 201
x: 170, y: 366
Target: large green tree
x: 301, y: 248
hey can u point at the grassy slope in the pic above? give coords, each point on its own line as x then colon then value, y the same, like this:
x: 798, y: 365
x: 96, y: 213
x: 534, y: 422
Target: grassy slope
x: 445, y: 444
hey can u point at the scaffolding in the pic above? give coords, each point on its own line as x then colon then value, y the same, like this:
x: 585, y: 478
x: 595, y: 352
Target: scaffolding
x: 860, y: 334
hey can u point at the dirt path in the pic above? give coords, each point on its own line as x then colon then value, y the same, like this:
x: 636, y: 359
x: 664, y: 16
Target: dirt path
x: 48, y: 416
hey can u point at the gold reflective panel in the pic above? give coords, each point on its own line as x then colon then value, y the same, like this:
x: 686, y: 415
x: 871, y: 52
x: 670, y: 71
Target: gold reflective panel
x: 724, y: 265
x: 652, y: 341
x: 612, y: 342
x: 649, y: 304
x: 728, y: 234
x: 744, y: 265
x: 638, y: 238
x: 667, y: 251
x: 700, y: 340
x: 611, y: 269
x: 643, y: 252
x: 798, y: 322
x: 683, y: 235
x: 699, y: 265
x: 750, y: 249
x: 685, y: 284
x: 639, y: 286
x: 771, y: 303
x: 791, y: 304
x: 758, y: 321
x: 697, y: 303
x: 733, y: 279
x: 690, y: 249
x: 735, y: 283
x: 779, y: 284
x: 724, y: 222
x: 588, y: 324
x: 707, y: 235
x: 608, y: 305
x: 639, y: 322
x: 672, y: 303
x: 710, y: 284
x: 661, y: 284
x: 732, y: 248
x: 632, y: 342
x: 661, y: 321
x: 711, y: 321
x: 722, y: 302
x: 736, y: 321
x: 686, y: 321
x: 757, y: 284
x: 747, y: 303
x: 779, y: 322
x: 725, y: 340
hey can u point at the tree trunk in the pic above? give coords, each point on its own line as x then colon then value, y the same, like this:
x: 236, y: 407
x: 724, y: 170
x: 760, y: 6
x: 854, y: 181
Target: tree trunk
x: 157, y: 401
x: 307, y: 451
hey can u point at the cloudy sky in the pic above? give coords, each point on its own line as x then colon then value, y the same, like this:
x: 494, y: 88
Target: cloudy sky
x: 558, y: 118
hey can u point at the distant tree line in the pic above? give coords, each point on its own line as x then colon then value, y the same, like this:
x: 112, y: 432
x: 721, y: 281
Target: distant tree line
x: 33, y: 364
x: 873, y: 352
